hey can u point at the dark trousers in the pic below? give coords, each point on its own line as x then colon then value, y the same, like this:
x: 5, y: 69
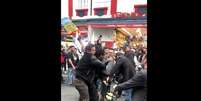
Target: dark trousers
x: 87, y: 92
x: 63, y: 65
x: 82, y: 88
x: 62, y: 79
x: 93, y: 93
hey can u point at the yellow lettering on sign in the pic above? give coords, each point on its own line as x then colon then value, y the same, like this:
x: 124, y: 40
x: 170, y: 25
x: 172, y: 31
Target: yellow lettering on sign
x: 70, y: 27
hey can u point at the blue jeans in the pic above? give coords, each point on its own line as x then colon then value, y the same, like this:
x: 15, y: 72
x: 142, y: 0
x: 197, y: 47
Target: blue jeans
x: 128, y: 95
x: 98, y: 83
x: 70, y: 76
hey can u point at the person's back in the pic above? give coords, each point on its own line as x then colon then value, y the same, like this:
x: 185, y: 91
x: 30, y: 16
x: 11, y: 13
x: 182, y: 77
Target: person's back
x: 129, y: 54
x: 127, y: 68
x: 138, y: 83
x: 124, y: 66
x: 109, y: 66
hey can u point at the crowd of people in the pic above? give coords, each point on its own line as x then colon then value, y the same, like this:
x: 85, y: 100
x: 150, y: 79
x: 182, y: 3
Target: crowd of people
x: 94, y: 72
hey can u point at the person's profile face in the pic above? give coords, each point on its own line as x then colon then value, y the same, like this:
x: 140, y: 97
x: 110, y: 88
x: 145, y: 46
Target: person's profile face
x: 127, y: 49
x: 93, y: 50
x: 73, y: 49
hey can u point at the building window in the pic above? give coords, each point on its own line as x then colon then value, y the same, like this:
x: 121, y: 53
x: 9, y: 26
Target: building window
x: 82, y: 4
x: 141, y: 10
x: 82, y: 8
x: 100, y: 11
x: 81, y: 12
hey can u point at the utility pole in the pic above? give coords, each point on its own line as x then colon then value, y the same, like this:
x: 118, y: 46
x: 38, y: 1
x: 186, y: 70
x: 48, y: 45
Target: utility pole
x: 91, y: 8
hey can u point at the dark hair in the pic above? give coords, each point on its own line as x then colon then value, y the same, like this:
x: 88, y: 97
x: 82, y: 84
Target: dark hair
x: 119, y: 54
x: 126, y: 46
x: 99, y: 51
x: 88, y: 47
x: 71, y: 46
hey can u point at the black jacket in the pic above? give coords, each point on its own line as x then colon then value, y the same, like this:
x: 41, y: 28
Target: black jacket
x: 139, y: 85
x: 139, y: 81
x: 123, y: 66
x: 88, y: 67
x: 130, y: 55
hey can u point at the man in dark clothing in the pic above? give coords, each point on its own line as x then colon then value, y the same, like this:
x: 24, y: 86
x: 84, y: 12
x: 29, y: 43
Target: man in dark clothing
x: 139, y: 54
x: 99, y: 41
x: 99, y: 49
x: 129, y: 54
x: 125, y: 67
x: 139, y: 83
x: 85, y: 73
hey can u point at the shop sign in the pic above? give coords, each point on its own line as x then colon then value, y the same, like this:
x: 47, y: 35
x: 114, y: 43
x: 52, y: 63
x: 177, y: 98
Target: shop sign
x: 70, y: 27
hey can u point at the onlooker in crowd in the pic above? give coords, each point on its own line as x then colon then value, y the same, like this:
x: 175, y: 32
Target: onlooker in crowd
x: 73, y: 60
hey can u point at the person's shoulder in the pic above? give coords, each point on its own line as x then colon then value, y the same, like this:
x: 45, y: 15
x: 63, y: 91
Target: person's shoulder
x: 123, y: 58
x: 131, y: 52
x: 93, y: 57
x: 70, y: 54
x: 142, y: 72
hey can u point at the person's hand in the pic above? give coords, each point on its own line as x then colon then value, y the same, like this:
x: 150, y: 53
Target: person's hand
x: 105, y: 82
x: 109, y: 79
x: 116, y: 88
x: 73, y: 67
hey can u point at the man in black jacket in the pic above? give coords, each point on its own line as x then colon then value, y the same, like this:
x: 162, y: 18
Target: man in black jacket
x: 139, y: 83
x: 85, y: 74
x: 129, y: 54
x: 125, y: 67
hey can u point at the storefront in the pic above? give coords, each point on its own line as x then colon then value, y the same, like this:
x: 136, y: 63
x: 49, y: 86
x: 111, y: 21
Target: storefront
x: 136, y: 36
x: 113, y: 30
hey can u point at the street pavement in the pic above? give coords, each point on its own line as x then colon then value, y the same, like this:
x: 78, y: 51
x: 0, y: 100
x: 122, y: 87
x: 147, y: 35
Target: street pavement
x: 69, y: 93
